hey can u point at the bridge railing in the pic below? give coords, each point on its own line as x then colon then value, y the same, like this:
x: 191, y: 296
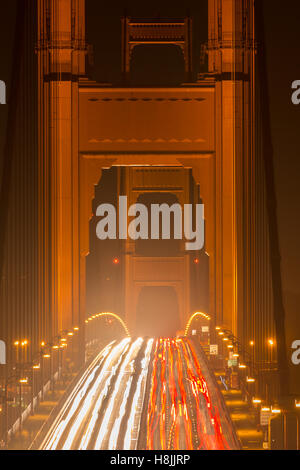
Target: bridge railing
x: 258, y: 381
x: 260, y: 378
x: 28, y: 379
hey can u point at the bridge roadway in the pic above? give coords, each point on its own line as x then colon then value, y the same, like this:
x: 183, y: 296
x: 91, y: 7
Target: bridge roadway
x: 154, y: 394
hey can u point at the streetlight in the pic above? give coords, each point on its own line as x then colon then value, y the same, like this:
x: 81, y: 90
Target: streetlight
x: 271, y: 343
x: 16, y: 344
x: 23, y: 381
x: 276, y: 410
x: 251, y: 344
x: 24, y: 345
x: 250, y: 380
x: 256, y: 401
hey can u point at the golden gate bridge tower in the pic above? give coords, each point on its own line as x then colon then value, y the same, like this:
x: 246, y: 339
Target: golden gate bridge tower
x: 199, y: 141
x: 159, y: 136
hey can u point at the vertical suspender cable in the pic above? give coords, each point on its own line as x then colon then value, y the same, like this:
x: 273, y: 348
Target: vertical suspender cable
x: 11, y: 124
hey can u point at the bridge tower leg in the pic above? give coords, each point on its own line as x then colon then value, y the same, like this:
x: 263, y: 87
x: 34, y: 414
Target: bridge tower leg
x: 61, y: 62
x: 231, y: 60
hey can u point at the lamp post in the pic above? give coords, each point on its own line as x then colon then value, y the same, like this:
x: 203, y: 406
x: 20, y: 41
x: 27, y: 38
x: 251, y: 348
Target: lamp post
x: 20, y: 403
x: 252, y: 346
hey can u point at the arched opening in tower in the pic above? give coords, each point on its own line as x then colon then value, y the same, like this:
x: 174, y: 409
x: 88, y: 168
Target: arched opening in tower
x: 157, y: 312
x: 157, y: 66
x: 104, y: 264
x: 159, y: 263
x: 161, y: 247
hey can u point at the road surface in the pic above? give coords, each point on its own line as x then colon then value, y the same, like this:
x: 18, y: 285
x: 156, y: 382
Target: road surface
x: 154, y: 394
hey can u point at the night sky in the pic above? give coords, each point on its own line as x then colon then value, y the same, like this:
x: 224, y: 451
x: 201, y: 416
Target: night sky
x: 282, y: 20
x: 283, y: 63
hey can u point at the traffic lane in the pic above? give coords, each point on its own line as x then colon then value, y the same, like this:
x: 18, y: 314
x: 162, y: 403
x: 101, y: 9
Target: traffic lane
x: 109, y: 433
x: 209, y: 430
x: 224, y: 428
x: 168, y: 419
x: 73, y: 403
x: 81, y: 432
x: 75, y: 423
x: 181, y: 413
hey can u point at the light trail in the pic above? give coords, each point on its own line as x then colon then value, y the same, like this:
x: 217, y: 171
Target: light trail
x: 163, y: 396
x: 81, y: 398
x: 152, y: 399
x: 183, y: 407
x: 95, y: 411
x: 173, y: 396
x: 215, y: 439
x: 118, y: 404
x: 136, y: 410
x: 193, y: 417
x: 103, y: 431
x: 116, y: 427
x: 116, y: 354
x: 60, y: 424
